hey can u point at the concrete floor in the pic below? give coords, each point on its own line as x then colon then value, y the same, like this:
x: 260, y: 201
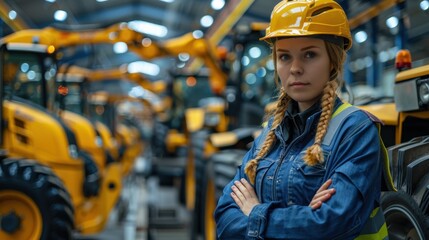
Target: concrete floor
x: 153, y: 213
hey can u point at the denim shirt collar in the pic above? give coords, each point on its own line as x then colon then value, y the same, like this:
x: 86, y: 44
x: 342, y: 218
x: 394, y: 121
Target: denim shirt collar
x: 295, y: 122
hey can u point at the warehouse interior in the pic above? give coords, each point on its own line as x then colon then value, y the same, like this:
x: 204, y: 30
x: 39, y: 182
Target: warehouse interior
x: 125, y: 119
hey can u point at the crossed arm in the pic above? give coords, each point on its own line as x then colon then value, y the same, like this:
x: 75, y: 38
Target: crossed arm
x: 245, y: 197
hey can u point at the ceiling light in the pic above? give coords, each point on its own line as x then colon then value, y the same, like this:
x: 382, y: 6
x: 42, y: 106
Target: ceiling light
x: 167, y: 1
x: 148, y: 28
x: 101, y: 0
x: 198, y: 34
x: 144, y: 67
x: 361, y: 37
x: 51, y: 1
x: 217, y: 4
x: 184, y: 57
x: 60, y: 15
x: 255, y: 52
x: 392, y: 22
x: 12, y: 15
x: 206, y: 21
x: 424, y: 5
x: 120, y: 47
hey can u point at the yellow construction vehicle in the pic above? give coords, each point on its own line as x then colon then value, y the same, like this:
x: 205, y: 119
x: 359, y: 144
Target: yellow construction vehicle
x: 104, y: 107
x: 34, y: 84
x: 60, y: 190
x: 406, y: 134
x: 129, y: 136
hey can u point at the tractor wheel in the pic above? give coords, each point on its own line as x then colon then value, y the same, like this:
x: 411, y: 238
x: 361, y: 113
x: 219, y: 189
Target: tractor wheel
x: 220, y: 170
x: 34, y: 203
x: 404, y: 219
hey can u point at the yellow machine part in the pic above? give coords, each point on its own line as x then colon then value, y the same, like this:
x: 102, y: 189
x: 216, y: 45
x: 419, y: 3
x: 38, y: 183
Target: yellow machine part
x: 194, y: 119
x: 109, y: 141
x: 26, y: 125
x: 134, y: 146
x: 174, y: 140
x: 223, y: 139
x: 86, y: 136
x: 95, y: 211
x: 412, y: 73
x: 385, y: 112
x: 27, y: 210
x: 22, y: 139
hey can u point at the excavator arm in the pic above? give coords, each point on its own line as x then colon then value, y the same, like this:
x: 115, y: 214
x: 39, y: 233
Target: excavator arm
x: 143, y: 46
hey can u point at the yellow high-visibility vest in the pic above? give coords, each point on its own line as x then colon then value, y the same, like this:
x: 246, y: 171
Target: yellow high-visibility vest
x: 375, y: 226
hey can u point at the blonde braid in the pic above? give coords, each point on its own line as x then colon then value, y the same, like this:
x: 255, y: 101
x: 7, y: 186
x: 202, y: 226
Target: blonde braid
x: 313, y: 154
x: 279, y: 112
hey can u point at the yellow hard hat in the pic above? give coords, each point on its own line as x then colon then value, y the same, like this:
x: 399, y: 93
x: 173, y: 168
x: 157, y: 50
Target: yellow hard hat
x: 322, y: 18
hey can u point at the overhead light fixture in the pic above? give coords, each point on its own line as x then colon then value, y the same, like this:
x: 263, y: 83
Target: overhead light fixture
x: 101, y: 0
x: 12, y: 14
x: 206, y: 21
x: 60, y: 15
x: 424, y: 5
x: 167, y: 1
x: 51, y: 1
x: 184, y: 57
x: 217, y: 4
x: 255, y: 52
x: 148, y: 28
x: 361, y: 36
x: 392, y: 22
x: 143, y: 67
x: 197, y: 34
x: 120, y: 47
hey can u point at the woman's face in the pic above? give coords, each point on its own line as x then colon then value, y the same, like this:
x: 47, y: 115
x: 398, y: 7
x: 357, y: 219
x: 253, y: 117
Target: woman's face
x: 303, y: 67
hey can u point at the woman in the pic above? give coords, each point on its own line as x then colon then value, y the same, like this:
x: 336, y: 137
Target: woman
x: 294, y: 183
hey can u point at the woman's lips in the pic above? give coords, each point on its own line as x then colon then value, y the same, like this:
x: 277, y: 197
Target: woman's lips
x: 297, y: 84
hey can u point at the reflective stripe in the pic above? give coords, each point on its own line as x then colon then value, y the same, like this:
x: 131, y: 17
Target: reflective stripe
x: 337, y: 118
x: 375, y: 227
x: 374, y: 223
x: 388, y: 184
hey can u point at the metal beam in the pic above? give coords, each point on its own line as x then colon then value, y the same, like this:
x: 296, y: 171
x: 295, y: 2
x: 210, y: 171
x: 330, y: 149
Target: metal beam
x: 223, y: 24
x: 372, y: 12
x: 16, y: 24
x: 227, y: 19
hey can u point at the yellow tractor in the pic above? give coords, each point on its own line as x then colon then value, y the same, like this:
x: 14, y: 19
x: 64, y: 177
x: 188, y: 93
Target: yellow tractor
x: 137, y: 113
x: 407, y: 137
x: 33, y: 83
x: 48, y: 187
x: 128, y: 134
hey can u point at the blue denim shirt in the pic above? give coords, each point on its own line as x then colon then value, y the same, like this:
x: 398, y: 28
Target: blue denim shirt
x: 285, y: 186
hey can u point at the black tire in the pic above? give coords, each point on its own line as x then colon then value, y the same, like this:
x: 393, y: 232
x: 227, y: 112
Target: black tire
x: 404, y: 219
x: 34, y: 187
x: 220, y: 170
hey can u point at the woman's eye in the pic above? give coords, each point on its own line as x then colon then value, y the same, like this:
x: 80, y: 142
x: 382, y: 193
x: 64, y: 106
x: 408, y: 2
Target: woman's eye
x: 284, y: 57
x: 310, y: 54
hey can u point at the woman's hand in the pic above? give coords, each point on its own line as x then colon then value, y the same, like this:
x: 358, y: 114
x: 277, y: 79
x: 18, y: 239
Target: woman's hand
x: 244, y: 196
x: 322, y: 195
